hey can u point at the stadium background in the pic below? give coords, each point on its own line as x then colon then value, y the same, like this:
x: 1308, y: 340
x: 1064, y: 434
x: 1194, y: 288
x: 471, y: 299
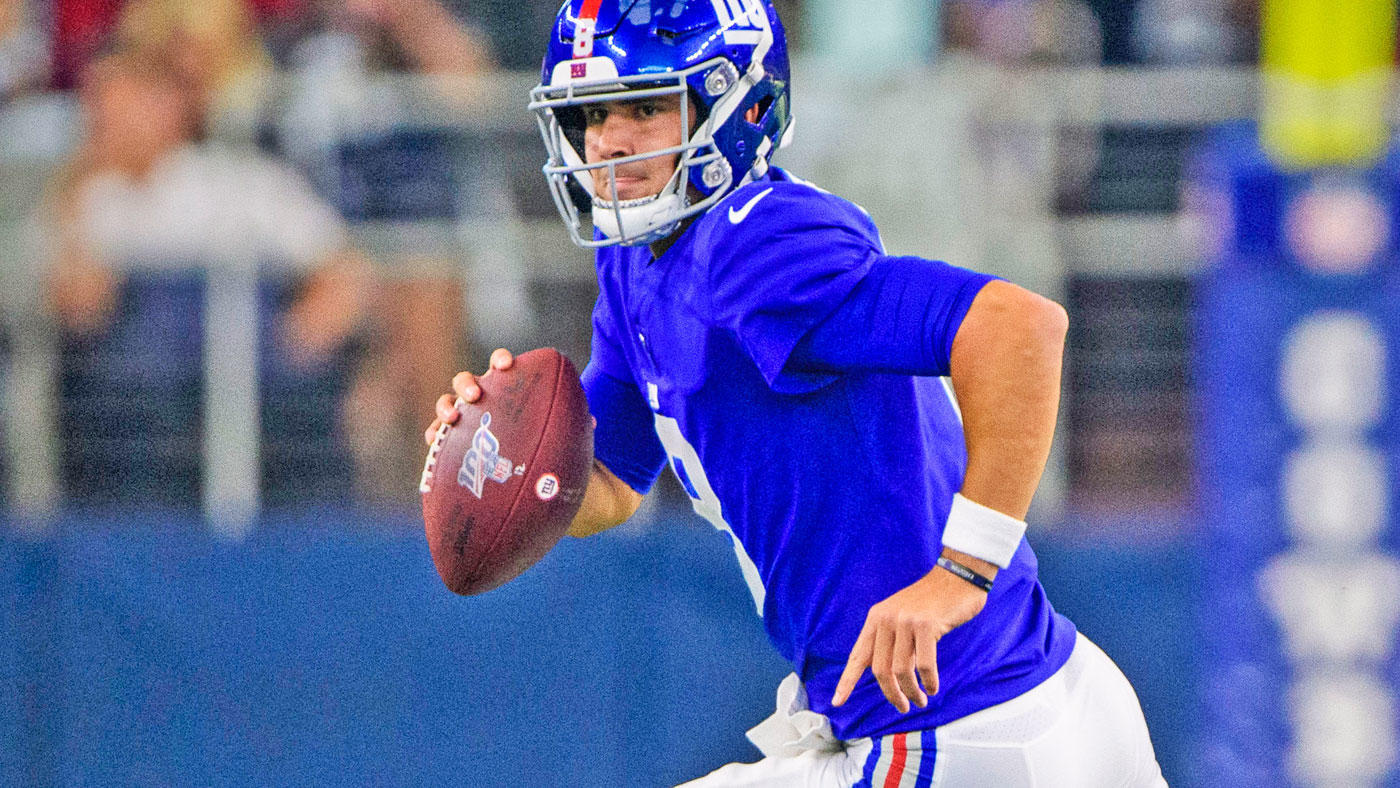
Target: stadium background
x: 214, y: 573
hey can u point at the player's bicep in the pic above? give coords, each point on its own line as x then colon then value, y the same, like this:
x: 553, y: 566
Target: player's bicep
x: 901, y: 318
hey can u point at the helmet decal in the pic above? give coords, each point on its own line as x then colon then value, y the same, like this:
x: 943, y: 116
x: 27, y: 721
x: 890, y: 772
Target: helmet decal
x: 585, y: 29
x: 743, y: 21
x: 583, y: 70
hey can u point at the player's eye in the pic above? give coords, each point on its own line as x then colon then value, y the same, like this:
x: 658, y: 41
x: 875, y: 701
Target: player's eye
x: 645, y: 110
x: 595, y: 114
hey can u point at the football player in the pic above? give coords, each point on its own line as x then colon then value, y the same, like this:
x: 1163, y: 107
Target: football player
x: 752, y: 333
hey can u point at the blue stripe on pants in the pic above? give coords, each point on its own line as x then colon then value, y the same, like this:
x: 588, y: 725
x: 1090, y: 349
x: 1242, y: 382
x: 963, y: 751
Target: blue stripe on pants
x: 868, y: 773
x: 929, y: 742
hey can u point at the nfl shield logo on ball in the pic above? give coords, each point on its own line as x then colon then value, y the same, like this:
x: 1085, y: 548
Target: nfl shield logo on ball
x: 484, y: 461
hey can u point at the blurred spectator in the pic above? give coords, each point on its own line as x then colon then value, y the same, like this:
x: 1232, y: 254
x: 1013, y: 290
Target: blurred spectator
x: 140, y: 188
x: 1112, y: 32
x: 24, y: 52
x: 1061, y: 32
x: 1186, y: 32
x: 376, y: 36
x: 426, y: 35
x: 213, y: 45
x: 369, y: 83
x: 141, y: 195
x: 1032, y: 32
x: 82, y: 28
x: 345, y: 44
x: 515, y: 27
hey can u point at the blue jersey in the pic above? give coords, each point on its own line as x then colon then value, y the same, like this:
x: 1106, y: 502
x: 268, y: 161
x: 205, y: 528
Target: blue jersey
x: 835, y: 485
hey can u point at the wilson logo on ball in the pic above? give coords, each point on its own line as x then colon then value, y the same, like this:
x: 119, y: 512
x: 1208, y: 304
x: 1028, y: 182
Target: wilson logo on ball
x: 484, y: 461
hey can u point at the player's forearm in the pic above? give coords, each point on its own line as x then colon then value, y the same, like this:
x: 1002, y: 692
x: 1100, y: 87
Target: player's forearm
x: 1005, y: 367
x: 607, y: 502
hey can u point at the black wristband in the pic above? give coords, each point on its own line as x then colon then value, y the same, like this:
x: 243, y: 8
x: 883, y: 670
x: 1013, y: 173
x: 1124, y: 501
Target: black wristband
x: 981, y: 581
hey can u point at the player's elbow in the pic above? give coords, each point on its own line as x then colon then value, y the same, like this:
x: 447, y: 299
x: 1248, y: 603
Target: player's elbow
x: 608, y: 502
x: 591, y: 523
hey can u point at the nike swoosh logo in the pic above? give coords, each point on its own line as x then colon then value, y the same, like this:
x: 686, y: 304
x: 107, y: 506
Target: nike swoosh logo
x: 743, y: 213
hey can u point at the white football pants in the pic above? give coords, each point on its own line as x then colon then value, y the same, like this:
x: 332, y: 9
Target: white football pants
x: 1080, y: 728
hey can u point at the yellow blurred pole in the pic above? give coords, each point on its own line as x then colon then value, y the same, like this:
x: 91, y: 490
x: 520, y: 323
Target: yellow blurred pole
x: 1326, y: 70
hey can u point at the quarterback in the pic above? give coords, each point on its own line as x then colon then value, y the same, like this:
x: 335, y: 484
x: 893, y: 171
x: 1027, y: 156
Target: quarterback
x: 868, y: 428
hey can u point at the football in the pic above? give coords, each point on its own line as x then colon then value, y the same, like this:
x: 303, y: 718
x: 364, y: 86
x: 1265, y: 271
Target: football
x: 501, y: 486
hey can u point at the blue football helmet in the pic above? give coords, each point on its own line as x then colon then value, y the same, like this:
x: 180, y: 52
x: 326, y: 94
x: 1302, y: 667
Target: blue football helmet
x: 728, y: 56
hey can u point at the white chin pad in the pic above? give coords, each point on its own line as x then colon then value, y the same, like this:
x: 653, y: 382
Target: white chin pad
x: 638, y: 221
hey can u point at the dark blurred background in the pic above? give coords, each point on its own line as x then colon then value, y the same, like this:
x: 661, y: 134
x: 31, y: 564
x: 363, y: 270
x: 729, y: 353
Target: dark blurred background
x: 244, y: 244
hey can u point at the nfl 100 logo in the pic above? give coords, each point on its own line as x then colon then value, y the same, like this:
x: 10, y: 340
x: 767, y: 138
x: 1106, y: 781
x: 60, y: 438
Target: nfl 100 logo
x: 484, y: 461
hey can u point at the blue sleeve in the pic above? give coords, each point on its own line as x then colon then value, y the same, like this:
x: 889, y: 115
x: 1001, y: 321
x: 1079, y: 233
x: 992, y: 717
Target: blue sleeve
x: 901, y: 318
x: 605, y: 352
x: 624, y: 440
x: 795, y: 255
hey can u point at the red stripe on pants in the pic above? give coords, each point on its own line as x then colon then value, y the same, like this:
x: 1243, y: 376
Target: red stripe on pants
x: 896, y: 772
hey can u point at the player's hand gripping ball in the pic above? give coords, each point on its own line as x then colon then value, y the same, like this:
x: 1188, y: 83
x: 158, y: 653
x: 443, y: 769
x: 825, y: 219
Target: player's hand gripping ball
x: 501, y: 485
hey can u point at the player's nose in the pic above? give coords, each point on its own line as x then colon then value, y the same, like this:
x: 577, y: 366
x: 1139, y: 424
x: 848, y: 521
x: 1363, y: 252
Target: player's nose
x: 616, y: 137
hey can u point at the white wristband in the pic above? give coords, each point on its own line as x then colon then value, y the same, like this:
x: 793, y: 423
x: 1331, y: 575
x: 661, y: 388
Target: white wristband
x: 982, y: 532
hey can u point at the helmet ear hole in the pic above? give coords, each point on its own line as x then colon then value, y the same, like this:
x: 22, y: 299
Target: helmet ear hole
x: 757, y: 115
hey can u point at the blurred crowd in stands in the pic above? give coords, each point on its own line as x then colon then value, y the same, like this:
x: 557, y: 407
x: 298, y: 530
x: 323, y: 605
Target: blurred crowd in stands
x: 1110, y: 32
x: 148, y: 145
x: 179, y: 171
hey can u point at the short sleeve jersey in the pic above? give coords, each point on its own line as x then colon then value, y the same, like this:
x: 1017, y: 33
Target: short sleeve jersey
x: 835, y: 486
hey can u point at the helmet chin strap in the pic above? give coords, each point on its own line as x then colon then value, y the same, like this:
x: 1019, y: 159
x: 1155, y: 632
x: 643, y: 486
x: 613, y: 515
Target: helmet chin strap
x: 639, y: 221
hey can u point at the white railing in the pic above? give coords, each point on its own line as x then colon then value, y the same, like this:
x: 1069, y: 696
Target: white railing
x: 914, y: 149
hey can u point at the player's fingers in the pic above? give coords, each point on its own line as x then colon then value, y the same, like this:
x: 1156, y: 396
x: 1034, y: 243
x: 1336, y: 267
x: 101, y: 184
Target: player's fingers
x: 902, y: 665
x: 855, y: 666
x: 446, y: 408
x: 926, y: 656
x: 884, y: 675
x: 431, y: 433
x: 501, y: 359
x: 464, y: 383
